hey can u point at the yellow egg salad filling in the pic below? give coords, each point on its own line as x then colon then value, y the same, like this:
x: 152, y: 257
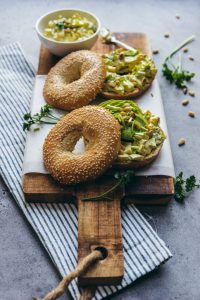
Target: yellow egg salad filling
x: 71, y: 29
x: 127, y: 70
x: 140, y: 130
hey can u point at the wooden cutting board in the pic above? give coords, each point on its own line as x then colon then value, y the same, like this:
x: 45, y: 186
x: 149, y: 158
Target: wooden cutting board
x: 99, y: 222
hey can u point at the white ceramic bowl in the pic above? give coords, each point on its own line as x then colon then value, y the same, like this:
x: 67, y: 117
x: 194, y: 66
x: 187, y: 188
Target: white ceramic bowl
x: 63, y: 48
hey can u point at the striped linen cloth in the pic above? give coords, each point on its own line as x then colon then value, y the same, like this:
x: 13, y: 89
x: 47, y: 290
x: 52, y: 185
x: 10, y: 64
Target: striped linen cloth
x: 56, y: 224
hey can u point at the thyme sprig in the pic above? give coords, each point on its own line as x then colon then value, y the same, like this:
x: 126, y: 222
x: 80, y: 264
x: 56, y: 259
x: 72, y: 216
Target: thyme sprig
x: 175, y: 74
x: 184, y: 186
x: 45, y: 116
x: 123, y: 179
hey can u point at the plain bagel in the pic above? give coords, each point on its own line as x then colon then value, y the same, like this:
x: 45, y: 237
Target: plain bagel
x: 75, y: 80
x: 101, y: 133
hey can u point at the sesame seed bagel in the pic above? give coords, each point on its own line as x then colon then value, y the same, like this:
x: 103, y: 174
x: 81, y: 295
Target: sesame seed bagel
x: 75, y: 80
x: 101, y: 133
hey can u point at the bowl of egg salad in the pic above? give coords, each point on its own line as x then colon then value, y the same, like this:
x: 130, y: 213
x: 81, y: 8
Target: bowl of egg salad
x: 66, y: 30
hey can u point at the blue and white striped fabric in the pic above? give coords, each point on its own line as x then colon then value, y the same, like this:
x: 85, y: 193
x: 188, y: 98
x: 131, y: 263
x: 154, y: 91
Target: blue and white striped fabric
x: 143, y: 249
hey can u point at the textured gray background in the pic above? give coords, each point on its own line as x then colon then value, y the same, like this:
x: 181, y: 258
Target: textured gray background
x: 25, y: 268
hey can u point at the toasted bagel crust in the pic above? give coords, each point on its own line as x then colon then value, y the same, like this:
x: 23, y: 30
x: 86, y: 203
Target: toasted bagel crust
x: 137, y: 92
x: 100, y: 130
x: 136, y: 164
x: 75, y: 80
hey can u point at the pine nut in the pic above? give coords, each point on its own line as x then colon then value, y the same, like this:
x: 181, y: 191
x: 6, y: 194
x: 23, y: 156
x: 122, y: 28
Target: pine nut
x: 181, y: 142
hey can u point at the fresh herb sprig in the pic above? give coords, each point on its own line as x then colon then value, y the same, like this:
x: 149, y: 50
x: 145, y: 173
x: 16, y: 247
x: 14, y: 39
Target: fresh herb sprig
x: 123, y: 179
x: 175, y: 74
x: 60, y: 25
x: 183, y: 186
x: 45, y: 116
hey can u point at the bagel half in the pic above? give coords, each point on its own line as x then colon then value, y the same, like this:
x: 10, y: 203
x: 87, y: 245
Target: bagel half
x: 137, y: 92
x: 127, y: 165
x: 129, y: 73
x: 141, y: 136
x: 101, y: 133
x: 75, y: 80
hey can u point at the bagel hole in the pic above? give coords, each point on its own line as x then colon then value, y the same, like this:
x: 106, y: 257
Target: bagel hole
x: 74, y: 142
x: 73, y: 75
x: 79, y: 147
x: 73, y: 78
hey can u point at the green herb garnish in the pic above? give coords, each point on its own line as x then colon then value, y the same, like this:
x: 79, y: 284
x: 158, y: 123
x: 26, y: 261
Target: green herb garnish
x: 175, y: 74
x: 43, y: 117
x: 122, y: 180
x: 183, y: 186
x: 60, y: 25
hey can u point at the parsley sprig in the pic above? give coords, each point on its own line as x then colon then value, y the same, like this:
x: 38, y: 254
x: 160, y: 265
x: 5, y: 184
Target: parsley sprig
x: 45, y: 116
x: 175, y: 74
x: 184, y: 186
x: 123, y: 179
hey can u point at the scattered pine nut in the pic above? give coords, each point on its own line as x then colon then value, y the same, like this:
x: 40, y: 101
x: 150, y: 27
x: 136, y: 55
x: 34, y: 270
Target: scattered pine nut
x: 191, y: 57
x: 166, y: 35
x: 191, y: 93
x: 178, y: 17
x: 155, y: 51
x: 185, y: 102
x: 191, y: 114
x: 185, y: 91
x: 181, y: 142
x: 185, y: 49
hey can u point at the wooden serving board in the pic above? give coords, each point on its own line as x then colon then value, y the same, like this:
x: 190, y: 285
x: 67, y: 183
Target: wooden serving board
x: 99, y: 222
x: 143, y: 190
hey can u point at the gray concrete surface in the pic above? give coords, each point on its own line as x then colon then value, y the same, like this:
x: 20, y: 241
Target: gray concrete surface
x: 25, y: 268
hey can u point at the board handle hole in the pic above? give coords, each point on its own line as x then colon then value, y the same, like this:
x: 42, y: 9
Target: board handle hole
x: 103, y: 251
